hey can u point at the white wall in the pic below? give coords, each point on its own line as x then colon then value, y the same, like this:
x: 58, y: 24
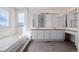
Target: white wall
x: 27, y: 23
x: 12, y: 30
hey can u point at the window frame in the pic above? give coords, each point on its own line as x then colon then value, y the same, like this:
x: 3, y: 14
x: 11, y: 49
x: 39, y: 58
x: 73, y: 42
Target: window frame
x: 9, y: 21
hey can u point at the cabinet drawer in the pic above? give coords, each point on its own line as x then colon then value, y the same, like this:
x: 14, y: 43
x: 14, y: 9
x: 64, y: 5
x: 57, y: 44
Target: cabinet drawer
x: 47, y: 34
x: 60, y: 35
x: 34, y: 35
x: 53, y: 34
x: 41, y: 34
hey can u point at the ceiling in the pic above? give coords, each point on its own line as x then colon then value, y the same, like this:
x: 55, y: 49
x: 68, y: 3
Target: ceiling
x: 38, y: 10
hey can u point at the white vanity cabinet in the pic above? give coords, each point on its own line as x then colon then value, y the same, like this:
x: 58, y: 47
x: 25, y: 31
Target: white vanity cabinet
x: 49, y: 34
x: 40, y: 34
x: 53, y: 34
x: 60, y: 34
x: 34, y: 34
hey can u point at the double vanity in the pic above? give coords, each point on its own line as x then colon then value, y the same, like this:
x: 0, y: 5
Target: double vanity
x: 50, y: 27
x: 48, y: 34
x: 54, y: 34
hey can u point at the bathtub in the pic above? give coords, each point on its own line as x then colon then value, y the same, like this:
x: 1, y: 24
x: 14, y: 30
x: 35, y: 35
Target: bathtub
x: 12, y: 43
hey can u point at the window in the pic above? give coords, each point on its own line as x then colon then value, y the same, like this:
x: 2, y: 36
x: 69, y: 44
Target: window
x: 21, y: 23
x: 21, y: 19
x: 4, y: 17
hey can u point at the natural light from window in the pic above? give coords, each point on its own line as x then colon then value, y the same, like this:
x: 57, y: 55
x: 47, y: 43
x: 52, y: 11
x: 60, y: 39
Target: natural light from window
x: 4, y: 17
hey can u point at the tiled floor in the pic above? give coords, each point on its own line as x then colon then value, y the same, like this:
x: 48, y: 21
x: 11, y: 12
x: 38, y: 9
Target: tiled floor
x: 54, y: 46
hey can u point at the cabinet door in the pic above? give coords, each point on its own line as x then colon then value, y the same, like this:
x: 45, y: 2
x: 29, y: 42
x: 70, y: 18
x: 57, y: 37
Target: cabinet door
x: 34, y: 35
x: 60, y: 34
x: 47, y: 34
x: 53, y: 34
x: 40, y: 34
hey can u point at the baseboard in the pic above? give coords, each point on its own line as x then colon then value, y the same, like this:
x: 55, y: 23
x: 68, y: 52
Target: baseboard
x: 48, y: 39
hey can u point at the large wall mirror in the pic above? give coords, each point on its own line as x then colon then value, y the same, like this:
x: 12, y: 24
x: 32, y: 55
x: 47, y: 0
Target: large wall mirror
x: 72, y: 19
x: 39, y: 20
x: 4, y: 18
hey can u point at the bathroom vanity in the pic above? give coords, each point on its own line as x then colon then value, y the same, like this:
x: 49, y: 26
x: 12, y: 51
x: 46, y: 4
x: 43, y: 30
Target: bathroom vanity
x: 54, y: 27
